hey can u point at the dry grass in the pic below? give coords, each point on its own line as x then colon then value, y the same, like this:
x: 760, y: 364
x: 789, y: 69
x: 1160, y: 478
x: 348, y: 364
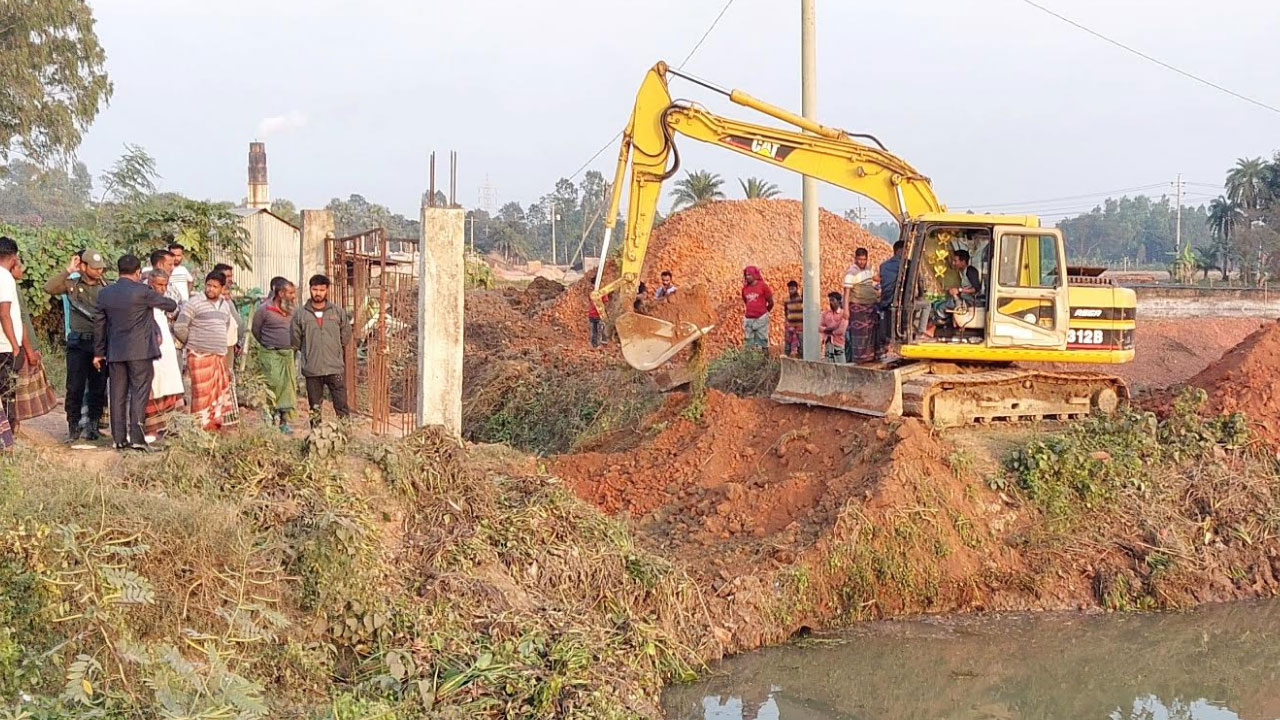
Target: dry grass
x: 255, y: 575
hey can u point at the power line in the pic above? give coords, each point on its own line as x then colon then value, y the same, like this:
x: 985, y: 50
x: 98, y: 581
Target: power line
x: 702, y: 39
x: 1041, y: 201
x: 1157, y: 61
x: 688, y: 57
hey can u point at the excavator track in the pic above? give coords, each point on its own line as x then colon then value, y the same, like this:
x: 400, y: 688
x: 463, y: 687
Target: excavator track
x: 1010, y: 395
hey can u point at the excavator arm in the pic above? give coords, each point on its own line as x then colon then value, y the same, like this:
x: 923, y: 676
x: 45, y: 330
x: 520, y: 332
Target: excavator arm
x: 648, y: 142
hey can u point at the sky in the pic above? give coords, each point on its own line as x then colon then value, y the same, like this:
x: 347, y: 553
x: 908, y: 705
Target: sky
x: 1003, y: 106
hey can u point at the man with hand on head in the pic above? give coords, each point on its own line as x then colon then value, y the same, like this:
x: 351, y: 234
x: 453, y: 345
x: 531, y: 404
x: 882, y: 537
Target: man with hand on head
x: 79, y: 285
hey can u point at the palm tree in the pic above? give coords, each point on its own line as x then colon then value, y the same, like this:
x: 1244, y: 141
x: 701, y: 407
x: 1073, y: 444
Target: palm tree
x: 1247, y: 183
x: 697, y: 188
x: 1223, y: 219
x: 756, y: 188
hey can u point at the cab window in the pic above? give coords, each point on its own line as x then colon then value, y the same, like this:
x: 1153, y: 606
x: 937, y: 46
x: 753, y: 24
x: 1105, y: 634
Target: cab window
x: 1029, y: 261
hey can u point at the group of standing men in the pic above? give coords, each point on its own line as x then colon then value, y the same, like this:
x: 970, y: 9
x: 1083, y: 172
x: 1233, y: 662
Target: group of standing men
x: 137, y: 338
x: 854, y: 327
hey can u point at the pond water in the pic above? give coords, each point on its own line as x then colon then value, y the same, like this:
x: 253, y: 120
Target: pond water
x: 1216, y: 663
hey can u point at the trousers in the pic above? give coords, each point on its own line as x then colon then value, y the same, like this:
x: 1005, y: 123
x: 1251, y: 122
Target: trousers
x: 86, y: 385
x: 130, y: 390
x: 337, y: 385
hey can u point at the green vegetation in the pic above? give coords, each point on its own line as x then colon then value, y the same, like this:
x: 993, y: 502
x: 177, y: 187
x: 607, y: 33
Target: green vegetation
x: 52, y: 68
x: 754, y: 187
x: 743, y: 371
x: 697, y: 187
x: 258, y: 576
x: 1084, y: 466
x: 517, y: 233
x: 547, y: 409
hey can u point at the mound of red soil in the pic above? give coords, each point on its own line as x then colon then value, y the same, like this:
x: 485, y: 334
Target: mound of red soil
x: 750, y: 469
x: 1247, y: 379
x: 1173, y: 350
x: 711, y: 244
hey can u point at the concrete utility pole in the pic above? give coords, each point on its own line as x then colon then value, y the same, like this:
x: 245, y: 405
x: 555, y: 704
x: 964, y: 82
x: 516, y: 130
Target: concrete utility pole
x: 1177, y: 231
x: 809, y: 194
x: 553, y: 233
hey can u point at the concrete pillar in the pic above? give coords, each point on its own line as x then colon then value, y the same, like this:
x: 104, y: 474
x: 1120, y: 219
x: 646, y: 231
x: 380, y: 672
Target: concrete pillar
x: 441, y: 280
x: 316, y: 226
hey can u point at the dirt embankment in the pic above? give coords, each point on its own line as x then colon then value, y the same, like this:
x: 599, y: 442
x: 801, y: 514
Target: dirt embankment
x: 848, y: 517
x: 1170, y: 351
x: 711, y: 244
x: 1247, y: 380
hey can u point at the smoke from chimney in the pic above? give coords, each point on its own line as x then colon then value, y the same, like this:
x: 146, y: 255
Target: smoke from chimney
x: 258, y: 196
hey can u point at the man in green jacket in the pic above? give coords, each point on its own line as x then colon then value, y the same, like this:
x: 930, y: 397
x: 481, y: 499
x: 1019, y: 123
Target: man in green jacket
x: 321, y: 332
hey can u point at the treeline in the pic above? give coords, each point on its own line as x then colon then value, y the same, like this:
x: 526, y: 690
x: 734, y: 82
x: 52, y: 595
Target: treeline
x: 1138, y: 230
x: 518, y: 233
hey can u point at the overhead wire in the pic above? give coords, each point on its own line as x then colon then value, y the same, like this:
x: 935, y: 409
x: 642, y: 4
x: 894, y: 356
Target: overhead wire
x: 687, y: 58
x: 1155, y: 60
x: 1042, y: 201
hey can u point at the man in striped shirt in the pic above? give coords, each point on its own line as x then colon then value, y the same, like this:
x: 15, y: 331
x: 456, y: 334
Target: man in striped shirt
x: 202, y: 327
x: 794, y: 309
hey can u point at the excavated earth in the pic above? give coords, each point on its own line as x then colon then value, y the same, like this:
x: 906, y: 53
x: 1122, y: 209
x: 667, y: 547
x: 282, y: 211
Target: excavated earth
x: 710, y: 245
x: 877, y: 517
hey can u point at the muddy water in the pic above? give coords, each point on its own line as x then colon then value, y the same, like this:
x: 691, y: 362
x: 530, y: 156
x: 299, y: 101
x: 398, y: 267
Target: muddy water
x: 1218, y: 663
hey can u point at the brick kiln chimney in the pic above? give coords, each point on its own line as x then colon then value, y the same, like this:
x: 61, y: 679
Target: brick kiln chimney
x: 258, y: 196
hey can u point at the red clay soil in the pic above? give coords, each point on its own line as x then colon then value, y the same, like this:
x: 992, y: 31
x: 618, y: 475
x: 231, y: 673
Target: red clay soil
x: 712, y: 243
x: 1247, y: 379
x: 1172, y: 350
x: 755, y: 479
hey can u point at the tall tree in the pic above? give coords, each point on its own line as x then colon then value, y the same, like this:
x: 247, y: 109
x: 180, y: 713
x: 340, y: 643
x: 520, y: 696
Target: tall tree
x: 697, y: 188
x: 1223, y: 218
x: 54, y: 196
x: 754, y: 187
x: 131, y: 178
x: 209, y: 230
x: 53, y: 76
x: 1247, y: 183
x: 356, y: 215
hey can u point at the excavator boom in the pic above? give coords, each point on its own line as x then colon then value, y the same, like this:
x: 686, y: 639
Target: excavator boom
x: 648, y: 142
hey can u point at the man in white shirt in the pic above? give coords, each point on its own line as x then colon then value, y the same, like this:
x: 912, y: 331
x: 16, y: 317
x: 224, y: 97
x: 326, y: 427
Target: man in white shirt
x: 10, y: 326
x: 164, y: 261
x: 180, y: 278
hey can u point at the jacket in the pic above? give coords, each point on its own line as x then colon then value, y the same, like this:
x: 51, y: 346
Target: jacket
x: 321, y: 344
x: 124, y: 328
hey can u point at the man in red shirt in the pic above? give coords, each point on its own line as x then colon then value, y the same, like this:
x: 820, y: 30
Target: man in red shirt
x: 598, y: 337
x: 757, y: 300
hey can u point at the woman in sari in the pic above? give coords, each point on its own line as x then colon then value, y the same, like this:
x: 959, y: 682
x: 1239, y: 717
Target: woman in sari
x: 166, y: 382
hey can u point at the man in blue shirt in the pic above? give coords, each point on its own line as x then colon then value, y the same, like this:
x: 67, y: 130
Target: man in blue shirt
x: 889, y: 270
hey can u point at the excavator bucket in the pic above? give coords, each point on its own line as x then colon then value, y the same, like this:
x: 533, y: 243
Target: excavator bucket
x: 865, y: 390
x: 648, y: 342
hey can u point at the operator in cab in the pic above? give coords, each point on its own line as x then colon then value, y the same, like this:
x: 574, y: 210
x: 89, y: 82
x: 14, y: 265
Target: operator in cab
x: 965, y: 293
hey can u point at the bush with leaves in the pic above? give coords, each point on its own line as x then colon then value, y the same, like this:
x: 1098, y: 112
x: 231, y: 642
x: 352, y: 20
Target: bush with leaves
x: 1083, y: 466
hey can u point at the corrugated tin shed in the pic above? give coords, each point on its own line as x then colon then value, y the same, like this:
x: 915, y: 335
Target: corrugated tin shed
x: 275, y: 248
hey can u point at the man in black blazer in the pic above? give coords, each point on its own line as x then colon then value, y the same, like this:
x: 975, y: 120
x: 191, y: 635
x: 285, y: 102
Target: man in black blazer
x: 127, y: 339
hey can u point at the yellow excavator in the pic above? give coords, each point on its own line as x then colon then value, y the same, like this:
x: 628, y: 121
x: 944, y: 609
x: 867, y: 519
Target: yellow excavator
x: 1033, y: 307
